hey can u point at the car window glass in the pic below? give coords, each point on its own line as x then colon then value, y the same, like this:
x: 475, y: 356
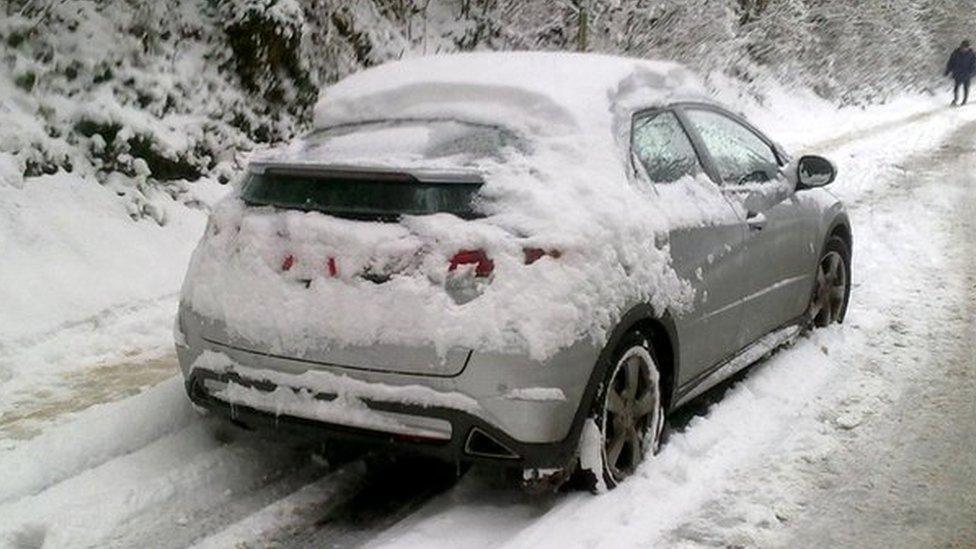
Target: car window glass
x: 661, y: 145
x: 740, y: 155
x: 431, y: 143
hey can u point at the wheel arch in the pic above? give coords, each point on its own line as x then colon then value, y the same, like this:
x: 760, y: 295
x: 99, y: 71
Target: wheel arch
x: 841, y: 226
x: 661, y: 334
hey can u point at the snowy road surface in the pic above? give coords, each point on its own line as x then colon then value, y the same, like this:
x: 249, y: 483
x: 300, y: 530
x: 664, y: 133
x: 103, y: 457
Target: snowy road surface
x: 857, y: 436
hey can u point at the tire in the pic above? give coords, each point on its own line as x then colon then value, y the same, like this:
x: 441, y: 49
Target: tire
x: 832, y: 285
x: 628, y: 411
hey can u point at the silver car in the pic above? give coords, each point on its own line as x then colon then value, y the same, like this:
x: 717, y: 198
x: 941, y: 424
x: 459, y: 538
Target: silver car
x: 775, y: 260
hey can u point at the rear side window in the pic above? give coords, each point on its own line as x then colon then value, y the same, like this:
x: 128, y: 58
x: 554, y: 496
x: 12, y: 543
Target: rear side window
x: 371, y: 196
x: 663, y: 148
x: 740, y: 155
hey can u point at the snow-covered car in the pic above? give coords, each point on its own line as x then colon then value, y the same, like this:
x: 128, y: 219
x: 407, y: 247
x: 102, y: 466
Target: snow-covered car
x: 527, y: 259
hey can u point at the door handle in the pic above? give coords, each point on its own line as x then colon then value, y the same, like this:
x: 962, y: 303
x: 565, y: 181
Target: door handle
x: 756, y: 221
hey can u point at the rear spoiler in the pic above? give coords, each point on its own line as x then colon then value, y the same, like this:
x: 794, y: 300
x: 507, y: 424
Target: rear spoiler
x: 423, y: 175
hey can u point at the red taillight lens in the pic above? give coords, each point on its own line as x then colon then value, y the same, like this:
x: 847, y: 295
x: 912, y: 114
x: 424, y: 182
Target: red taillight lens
x: 332, y: 266
x: 535, y: 254
x: 484, y: 266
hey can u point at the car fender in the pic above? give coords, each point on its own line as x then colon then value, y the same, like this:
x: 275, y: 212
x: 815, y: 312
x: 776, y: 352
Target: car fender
x: 830, y: 215
x: 641, y: 316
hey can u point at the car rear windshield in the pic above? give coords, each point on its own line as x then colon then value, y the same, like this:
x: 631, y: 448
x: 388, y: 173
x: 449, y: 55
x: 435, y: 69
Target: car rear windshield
x: 427, y: 143
x: 359, y: 195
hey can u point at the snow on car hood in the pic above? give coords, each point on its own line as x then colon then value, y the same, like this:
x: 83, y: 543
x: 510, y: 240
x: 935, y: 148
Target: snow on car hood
x: 566, y: 188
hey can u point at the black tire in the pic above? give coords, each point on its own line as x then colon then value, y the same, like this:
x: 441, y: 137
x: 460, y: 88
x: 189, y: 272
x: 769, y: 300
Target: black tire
x: 628, y: 411
x: 832, y: 285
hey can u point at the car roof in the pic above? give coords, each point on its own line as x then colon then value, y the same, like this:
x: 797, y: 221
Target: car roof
x: 543, y: 93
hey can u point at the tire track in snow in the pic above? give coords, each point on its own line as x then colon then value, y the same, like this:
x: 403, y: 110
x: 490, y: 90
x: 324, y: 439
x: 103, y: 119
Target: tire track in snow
x: 343, y: 509
x: 835, y: 143
x: 25, y: 416
x: 107, y: 357
x: 178, y: 482
x: 289, y: 515
x: 96, y: 436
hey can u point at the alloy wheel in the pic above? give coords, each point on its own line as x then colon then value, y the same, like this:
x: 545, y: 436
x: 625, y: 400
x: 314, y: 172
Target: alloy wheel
x: 830, y: 291
x: 632, y: 416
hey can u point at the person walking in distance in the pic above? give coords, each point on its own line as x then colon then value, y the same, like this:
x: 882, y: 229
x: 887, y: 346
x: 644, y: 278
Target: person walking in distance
x: 962, y: 66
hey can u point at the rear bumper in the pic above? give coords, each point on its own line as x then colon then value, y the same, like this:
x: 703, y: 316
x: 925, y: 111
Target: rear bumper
x: 496, y: 409
x: 466, y: 441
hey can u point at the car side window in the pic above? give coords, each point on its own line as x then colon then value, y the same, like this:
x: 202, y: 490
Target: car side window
x: 740, y: 155
x: 663, y: 147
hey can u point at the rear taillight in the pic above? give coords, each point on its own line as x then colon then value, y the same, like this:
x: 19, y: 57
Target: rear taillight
x: 465, y: 283
x: 469, y: 273
x: 331, y: 266
x: 483, y: 265
x: 535, y: 254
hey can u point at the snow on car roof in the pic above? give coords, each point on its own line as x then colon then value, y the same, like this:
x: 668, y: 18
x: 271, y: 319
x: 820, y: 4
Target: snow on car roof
x: 538, y: 92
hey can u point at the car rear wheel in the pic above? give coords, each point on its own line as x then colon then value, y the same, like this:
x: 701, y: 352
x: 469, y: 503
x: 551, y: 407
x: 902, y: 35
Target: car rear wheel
x: 630, y: 415
x: 832, y: 287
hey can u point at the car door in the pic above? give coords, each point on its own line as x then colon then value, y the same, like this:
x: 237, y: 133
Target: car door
x: 705, y: 239
x: 777, y: 252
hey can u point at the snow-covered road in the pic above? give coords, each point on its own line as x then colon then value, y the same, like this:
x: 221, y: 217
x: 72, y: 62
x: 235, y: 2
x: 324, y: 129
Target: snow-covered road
x: 857, y: 436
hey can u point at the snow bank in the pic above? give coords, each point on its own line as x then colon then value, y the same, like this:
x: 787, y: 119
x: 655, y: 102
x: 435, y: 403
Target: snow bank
x: 70, y: 250
x: 96, y: 435
x: 11, y: 173
x: 81, y: 283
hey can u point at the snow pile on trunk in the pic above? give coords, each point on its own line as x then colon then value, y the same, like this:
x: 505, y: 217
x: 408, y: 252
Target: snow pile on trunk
x: 570, y: 190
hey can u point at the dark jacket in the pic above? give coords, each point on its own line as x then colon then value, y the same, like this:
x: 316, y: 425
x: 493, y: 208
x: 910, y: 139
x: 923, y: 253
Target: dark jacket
x: 962, y: 64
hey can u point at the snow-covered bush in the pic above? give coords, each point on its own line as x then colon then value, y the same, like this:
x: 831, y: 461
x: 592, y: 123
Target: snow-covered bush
x: 143, y: 96
x: 265, y: 42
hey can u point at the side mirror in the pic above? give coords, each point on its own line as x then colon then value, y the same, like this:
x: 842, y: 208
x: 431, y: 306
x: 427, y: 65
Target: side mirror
x: 814, y: 171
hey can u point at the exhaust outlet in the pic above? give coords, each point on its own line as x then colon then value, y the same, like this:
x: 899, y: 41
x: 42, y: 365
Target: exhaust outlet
x: 481, y: 444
